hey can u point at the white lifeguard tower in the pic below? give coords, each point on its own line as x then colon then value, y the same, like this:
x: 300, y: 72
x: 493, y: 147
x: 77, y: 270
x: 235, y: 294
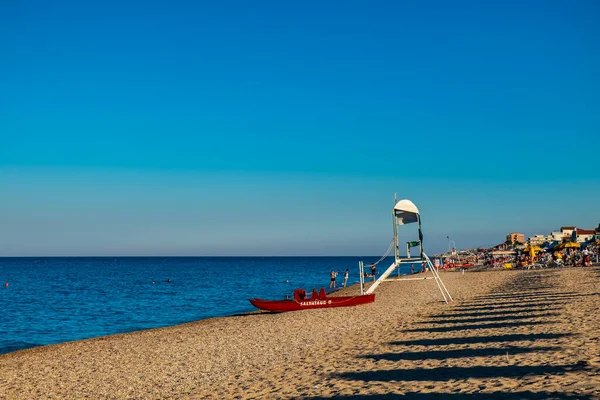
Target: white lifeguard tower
x: 403, y: 213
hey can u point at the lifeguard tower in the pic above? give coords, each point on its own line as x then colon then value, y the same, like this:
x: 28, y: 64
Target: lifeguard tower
x: 403, y: 213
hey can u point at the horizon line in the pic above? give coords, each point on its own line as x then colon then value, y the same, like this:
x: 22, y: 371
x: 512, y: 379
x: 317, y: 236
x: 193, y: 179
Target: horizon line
x: 188, y: 256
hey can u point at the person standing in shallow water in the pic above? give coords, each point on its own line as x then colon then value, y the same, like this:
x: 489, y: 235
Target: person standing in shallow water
x: 373, y: 271
x: 346, y: 276
x: 332, y: 281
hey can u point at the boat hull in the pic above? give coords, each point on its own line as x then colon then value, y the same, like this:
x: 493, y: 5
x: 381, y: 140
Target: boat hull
x: 308, y: 304
x: 465, y: 265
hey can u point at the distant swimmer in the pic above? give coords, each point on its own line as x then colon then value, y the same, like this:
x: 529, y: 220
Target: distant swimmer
x: 168, y: 279
x: 153, y: 282
x: 6, y: 284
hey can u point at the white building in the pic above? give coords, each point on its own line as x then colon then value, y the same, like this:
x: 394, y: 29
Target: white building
x: 536, y: 240
x: 556, y: 237
x: 568, y: 230
x: 585, y: 235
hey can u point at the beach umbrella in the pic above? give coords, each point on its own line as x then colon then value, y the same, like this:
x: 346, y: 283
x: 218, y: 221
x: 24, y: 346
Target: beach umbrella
x: 571, y: 245
x: 558, y: 247
x: 533, y: 248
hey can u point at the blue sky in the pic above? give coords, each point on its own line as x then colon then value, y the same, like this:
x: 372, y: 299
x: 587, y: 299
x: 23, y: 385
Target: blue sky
x: 284, y: 128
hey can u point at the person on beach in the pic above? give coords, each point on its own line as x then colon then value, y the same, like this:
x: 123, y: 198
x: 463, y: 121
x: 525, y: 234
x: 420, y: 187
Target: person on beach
x: 346, y: 276
x: 373, y: 271
x: 586, y: 257
x: 332, y: 281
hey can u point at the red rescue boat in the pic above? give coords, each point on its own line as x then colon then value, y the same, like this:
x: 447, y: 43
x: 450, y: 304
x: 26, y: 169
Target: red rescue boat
x: 463, y: 265
x: 317, y: 300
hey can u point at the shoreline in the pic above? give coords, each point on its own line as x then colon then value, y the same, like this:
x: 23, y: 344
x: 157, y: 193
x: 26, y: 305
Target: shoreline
x: 251, y: 310
x: 255, y: 311
x: 41, y: 346
x: 324, y: 352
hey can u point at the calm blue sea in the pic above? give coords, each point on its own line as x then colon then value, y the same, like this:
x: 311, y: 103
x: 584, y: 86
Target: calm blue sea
x: 53, y: 300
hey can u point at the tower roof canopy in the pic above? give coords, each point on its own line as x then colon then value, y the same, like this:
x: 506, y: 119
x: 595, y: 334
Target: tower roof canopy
x: 406, y: 212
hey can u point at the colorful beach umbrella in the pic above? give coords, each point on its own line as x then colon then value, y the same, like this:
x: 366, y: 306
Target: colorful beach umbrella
x: 571, y: 245
x: 558, y: 247
x: 533, y: 248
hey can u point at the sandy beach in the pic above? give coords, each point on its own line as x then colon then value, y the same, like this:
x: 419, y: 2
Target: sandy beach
x: 508, y: 334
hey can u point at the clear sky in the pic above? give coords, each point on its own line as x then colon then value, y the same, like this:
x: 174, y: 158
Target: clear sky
x: 284, y: 128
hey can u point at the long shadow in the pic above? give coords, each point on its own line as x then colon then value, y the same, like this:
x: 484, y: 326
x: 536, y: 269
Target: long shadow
x: 524, y: 395
x: 478, y: 326
x: 492, y: 313
x: 460, y: 353
x: 447, y: 373
x: 525, y: 292
x: 495, y: 307
x: 502, y: 295
x: 489, y: 319
x: 524, y: 302
x: 517, y: 297
x: 515, y: 337
x: 525, y: 289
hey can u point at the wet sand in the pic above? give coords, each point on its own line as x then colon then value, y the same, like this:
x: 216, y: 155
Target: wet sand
x: 508, y: 334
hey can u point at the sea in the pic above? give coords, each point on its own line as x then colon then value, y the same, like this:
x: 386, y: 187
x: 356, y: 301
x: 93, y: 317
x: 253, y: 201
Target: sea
x: 59, y: 299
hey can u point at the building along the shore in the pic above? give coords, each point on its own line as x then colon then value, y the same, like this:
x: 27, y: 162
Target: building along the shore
x: 515, y: 238
x: 584, y: 235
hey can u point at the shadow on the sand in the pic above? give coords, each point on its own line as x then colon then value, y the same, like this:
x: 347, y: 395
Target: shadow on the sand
x: 516, y: 288
x: 524, y: 302
x: 528, y: 288
x: 447, y: 373
x: 526, y: 295
x: 516, y: 337
x: 501, y: 305
x: 499, y: 325
x: 526, y: 299
x: 491, y: 313
x: 522, y: 293
x: 496, y: 318
x: 525, y: 395
x: 445, y: 354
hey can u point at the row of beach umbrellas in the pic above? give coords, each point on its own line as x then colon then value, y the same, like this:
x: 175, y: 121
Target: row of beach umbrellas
x: 532, y: 250
x: 567, y: 245
x: 562, y: 246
